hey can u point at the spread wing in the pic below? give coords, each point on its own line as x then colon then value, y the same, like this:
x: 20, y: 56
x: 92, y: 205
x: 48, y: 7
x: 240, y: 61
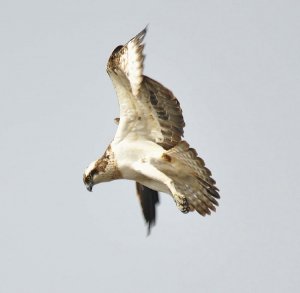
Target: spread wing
x: 148, y: 110
x: 148, y: 199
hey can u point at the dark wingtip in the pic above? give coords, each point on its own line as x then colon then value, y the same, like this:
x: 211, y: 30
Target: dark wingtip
x: 117, y: 49
x: 149, y: 199
x: 149, y: 229
x: 145, y: 29
x: 141, y: 34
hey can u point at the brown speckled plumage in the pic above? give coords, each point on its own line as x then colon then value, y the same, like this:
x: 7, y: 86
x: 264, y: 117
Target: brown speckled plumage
x: 148, y: 146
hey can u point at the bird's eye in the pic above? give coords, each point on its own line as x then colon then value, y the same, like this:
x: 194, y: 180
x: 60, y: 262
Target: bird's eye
x: 87, y: 178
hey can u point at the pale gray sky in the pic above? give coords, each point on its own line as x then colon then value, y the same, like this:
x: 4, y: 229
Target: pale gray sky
x: 234, y: 66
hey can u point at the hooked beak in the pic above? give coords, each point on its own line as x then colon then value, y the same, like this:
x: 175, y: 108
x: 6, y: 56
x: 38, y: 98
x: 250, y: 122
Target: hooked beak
x: 89, y: 187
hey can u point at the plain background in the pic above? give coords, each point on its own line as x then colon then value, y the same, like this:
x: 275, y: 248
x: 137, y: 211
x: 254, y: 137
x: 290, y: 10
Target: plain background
x: 234, y: 66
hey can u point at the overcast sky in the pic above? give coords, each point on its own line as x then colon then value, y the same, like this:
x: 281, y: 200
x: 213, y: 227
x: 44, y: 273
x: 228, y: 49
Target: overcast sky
x: 235, y: 68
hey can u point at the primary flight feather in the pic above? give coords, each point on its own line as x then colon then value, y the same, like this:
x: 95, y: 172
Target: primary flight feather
x: 148, y: 146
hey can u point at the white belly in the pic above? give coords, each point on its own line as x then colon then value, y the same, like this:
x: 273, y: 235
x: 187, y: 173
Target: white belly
x: 155, y: 185
x: 129, y: 152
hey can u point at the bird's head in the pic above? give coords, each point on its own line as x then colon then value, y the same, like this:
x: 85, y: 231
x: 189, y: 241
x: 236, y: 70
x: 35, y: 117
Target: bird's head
x: 102, y: 170
x: 89, y: 176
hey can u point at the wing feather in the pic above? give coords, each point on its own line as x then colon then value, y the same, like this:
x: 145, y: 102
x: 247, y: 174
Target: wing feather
x: 191, y: 178
x: 148, y: 110
x: 127, y: 63
x: 148, y: 199
x: 166, y: 109
x: 199, y: 188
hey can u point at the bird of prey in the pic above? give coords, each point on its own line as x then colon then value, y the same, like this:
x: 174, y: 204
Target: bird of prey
x: 148, y: 147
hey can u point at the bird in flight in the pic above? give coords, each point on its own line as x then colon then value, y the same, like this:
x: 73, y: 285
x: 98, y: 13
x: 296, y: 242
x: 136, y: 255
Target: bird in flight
x: 148, y: 146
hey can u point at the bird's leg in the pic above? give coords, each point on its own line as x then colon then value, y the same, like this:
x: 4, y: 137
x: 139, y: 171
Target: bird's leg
x: 153, y: 173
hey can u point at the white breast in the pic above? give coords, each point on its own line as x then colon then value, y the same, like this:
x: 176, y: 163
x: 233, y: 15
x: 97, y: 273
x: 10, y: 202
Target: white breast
x: 127, y: 152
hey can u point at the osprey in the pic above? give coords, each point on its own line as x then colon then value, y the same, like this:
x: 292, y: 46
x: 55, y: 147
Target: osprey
x: 148, y: 146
